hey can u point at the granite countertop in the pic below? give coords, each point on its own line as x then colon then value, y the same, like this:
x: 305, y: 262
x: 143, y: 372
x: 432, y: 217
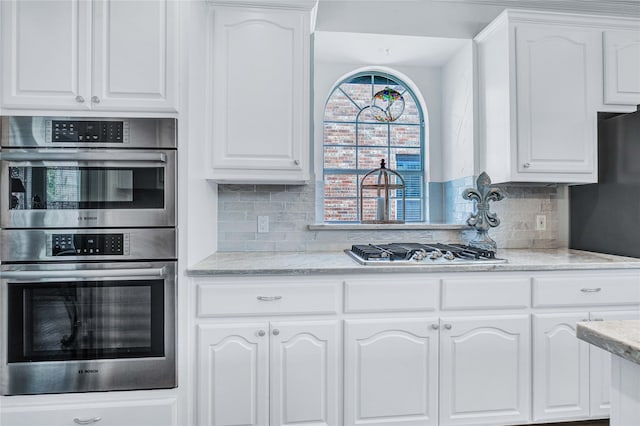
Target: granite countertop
x: 299, y: 263
x: 621, y: 338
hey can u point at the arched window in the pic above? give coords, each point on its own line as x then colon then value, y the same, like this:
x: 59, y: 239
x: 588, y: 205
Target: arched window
x: 357, y: 135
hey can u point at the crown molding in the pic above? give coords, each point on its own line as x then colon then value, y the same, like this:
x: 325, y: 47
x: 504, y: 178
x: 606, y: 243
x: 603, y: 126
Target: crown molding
x: 306, y: 5
x: 610, y: 7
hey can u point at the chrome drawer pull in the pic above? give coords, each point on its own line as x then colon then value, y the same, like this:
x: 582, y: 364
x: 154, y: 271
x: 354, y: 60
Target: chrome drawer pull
x: 269, y: 298
x: 87, y: 421
x: 591, y: 290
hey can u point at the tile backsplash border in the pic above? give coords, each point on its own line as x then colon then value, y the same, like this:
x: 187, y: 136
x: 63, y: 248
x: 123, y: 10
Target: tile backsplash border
x: 292, y: 208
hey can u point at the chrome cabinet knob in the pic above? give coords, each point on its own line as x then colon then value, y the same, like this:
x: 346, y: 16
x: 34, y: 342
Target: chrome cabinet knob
x: 261, y: 333
x: 296, y: 162
x: 95, y: 99
x: 276, y: 331
x: 447, y: 326
x: 526, y: 165
x: 435, y: 326
x: 79, y: 99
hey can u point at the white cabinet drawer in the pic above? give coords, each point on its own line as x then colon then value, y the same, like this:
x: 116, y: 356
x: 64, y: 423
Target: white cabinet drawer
x: 225, y: 299
x: 131, y: 413
x: 595, y: 288
x: 388, y: 295
x: 486, y: 293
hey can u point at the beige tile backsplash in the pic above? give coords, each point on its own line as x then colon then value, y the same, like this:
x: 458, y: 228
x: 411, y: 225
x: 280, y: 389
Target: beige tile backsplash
x: 291, y: 208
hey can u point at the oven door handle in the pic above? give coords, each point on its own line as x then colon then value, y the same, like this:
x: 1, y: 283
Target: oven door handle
x: 91, y: 273
x: 157, y: 157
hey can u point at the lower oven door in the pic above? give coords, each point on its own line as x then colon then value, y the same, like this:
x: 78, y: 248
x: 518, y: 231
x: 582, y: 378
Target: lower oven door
x: 88, y: 327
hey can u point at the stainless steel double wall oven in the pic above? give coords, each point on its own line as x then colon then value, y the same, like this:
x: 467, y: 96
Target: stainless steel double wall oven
x: 88, y: 273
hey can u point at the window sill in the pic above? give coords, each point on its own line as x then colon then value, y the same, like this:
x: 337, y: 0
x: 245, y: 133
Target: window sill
x: 385, y: 226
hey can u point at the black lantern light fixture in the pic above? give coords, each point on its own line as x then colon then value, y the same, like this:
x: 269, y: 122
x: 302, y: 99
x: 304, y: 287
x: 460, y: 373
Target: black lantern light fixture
x: 377, y: 189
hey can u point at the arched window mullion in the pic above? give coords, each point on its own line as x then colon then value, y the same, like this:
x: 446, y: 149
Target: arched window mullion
x: 350, y: 99
x: 406, y: 144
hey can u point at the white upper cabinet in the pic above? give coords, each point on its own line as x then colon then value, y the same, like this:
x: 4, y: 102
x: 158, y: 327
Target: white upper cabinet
x: 538, y: 91
x: 89, y: 55
x: 259, y: 91
x: 622, y: 67
x: 45, y: 54
x: 134, y: 55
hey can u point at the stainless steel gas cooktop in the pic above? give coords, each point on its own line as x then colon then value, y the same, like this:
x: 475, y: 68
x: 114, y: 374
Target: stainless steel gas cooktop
x: 420, y: 254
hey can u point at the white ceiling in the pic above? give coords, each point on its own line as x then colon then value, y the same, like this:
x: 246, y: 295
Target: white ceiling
x: 384, y: 49
x: 444, y: 18
x: 423, y: 32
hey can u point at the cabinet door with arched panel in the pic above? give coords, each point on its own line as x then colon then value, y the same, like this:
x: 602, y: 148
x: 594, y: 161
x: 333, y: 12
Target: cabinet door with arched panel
x: 233, y: 374
x: 304, y: 373
x: 561, y: 367
x: 391, y: 372
x: 484, y: 369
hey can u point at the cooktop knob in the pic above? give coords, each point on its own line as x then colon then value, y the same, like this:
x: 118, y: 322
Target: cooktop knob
x: 435, y: 254
x: 449, y: 256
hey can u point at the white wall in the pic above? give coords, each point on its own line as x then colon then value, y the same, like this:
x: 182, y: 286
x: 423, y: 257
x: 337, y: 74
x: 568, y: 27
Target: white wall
x: 201, y: 201
x: 458, y: 116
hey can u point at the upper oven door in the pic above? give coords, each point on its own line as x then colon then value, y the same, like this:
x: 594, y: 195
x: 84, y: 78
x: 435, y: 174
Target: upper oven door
x: 80, y: 188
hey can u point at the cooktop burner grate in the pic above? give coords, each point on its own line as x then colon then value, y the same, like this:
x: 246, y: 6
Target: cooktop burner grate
x: 419, y: 253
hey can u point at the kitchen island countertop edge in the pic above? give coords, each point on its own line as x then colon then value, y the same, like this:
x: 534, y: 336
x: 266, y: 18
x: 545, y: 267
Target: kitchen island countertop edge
x: 621, y: 338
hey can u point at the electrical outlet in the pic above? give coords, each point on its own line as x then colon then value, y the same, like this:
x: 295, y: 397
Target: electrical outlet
x: 541, y: 222
x: 263, y: 224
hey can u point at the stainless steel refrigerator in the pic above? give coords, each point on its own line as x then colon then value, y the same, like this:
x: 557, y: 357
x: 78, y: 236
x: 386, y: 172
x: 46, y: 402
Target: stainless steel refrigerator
x: 605, y: 217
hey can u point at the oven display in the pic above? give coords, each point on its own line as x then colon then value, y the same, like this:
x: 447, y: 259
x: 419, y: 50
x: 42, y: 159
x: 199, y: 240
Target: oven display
x: 88, y: 131
x: 89, y: 244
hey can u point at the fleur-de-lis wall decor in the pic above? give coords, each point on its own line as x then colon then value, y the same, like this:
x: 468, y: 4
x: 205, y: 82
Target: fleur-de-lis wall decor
x: 482, y: 219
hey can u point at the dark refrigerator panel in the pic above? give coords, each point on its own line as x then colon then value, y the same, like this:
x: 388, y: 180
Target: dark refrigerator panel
x: 605, y: 217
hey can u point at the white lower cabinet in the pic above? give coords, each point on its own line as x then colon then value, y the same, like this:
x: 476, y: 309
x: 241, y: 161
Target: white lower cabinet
x: 560, y: 367
x: 391, y: 372
x: 161, y: 412
x: 459, y: 349
x: 396, y: 368
x: 268, y: 373
x: 484, y: 370
x: 571, y: 378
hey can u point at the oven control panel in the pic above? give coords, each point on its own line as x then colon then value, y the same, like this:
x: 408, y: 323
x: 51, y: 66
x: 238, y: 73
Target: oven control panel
x: 88, y: 245
x: 74, y: 131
